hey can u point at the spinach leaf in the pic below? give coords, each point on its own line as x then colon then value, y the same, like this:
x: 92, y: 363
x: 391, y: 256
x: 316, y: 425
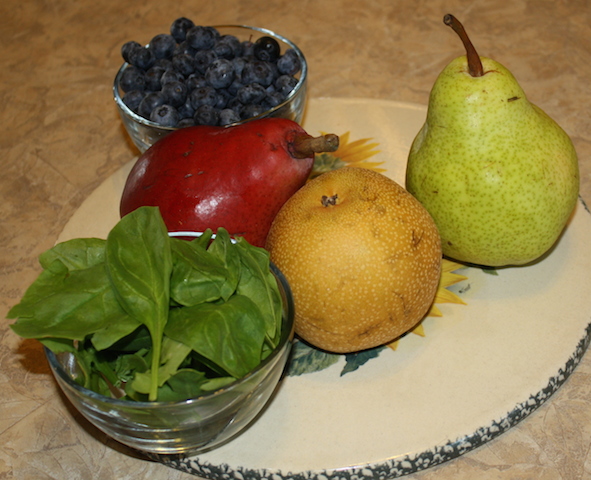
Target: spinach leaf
x: 58, y: 345
x: 185, y: 383
x: 137, y: 340
x: 95, y: 371
x: 258, y: 283
x: 114, y: 332
x: 229, y: 334
x: 152, y: 317
x: 197, y: 276
x: 139, y: 264
x: 75, y: 254
x: 223, y: 249
x: 173, y: 355
x: 67, y: 304
x: 214, y: 384
x: 204, y: 239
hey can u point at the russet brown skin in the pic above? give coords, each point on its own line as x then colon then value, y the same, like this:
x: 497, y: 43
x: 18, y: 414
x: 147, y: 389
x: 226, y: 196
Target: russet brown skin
x: 362, y: 258
x: 208, y: 177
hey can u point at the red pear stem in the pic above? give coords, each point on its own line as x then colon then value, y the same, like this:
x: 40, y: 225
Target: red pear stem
x: 474, y: 63
x: 304, y: 146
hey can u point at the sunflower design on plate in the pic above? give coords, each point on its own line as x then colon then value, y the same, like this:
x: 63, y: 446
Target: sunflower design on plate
x: 306, y: 359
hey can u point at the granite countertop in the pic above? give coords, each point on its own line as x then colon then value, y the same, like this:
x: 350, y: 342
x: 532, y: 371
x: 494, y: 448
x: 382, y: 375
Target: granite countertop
x: 61, y: 137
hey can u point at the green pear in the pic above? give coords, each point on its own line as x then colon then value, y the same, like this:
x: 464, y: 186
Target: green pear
x: 499, y: 176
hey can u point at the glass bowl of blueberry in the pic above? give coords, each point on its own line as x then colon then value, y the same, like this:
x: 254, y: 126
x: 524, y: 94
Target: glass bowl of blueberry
x: 207, y: 75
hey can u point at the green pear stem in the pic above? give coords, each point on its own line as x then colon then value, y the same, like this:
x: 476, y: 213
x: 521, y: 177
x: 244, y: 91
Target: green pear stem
x: 304, y: 146
x: 474, y: 63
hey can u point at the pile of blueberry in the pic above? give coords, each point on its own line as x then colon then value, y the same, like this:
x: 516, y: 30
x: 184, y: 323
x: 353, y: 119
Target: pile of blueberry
x: 196, y: 76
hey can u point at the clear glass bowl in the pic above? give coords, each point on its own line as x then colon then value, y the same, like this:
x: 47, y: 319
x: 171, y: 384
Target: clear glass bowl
x: 144, y: 133
x: 190, y: 426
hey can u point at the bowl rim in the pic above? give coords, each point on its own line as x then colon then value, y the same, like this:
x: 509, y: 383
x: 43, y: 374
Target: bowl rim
x: 148, y: 123
x: 287, y: 334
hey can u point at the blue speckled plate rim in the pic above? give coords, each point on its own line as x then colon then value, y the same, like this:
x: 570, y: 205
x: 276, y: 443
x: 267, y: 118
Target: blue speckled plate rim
x: 408, y: 464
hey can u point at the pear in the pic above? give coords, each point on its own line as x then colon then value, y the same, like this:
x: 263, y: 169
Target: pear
x: 362, y: 258
x: 498, y: 175
x: 232, y: 177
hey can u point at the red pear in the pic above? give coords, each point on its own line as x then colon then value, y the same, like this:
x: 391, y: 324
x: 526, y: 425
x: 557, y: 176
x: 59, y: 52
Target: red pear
x: 233, y: 177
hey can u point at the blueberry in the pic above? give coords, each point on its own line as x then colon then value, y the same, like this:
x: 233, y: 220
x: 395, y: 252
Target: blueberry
x: 266, y: 49
x: 171, y: 76
x: 185, y: 122
x: 238, y: 63
x: 228, y: 46
x: 150, y: 102
x: 223, y: 50
x: 141, y: 57
x: 195, y: 80
x: 175, y: 93
x: 203, y: 96
x: 257, y: 71
x: 165, y: 63
x: 202, y: 38
x: 235, y: 86
x: 234, y: 104
x: 203, y: 59
x: 272, y: 99
x: 220, y: 73
x: 228, y: 116
x: 252, y: 110
x: 247, y: 48
x: 207, y: 115
x: 165, y: 115
x: 162, y: 45
x: 127, y: 48
x: 184, y: 47
x: 289, y: 63
x: 251, y: 93
x: 133, y: 99
x: 180, y: 27
x: 223, y: 98
x: 132, y: 78
x: 186, y: 110
x: 183, y: 63
x: 285, y: 84
x: 196, y: 75
x: 153, y: 78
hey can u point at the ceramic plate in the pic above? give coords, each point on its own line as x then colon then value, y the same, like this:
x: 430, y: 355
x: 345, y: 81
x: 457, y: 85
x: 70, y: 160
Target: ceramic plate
x: 478, y: 370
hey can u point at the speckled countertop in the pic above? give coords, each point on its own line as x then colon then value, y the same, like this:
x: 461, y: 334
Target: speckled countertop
x: 60, y: 137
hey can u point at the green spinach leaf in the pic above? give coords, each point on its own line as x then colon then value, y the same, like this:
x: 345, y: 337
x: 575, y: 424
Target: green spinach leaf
x: 258, y: 283
x: 139, y: 264
x: 185, y: 383
x: 197, y: 276
x: 67, y: 304
x: 75, y: 254
x: 114, y: 332
x: 223, y: 249
x: 229, y: 334
x: 173, y: 355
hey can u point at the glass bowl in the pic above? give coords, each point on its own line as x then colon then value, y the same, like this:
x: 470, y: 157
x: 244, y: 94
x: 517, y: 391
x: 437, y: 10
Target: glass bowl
x: 189, y: 426
x: 144, y: 133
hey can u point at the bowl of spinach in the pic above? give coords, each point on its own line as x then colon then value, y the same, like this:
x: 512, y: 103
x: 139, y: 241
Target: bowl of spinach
x: 168, y: 344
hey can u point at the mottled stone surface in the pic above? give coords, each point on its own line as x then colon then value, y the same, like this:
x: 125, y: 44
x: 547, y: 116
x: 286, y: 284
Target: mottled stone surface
x: 60, y: 137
